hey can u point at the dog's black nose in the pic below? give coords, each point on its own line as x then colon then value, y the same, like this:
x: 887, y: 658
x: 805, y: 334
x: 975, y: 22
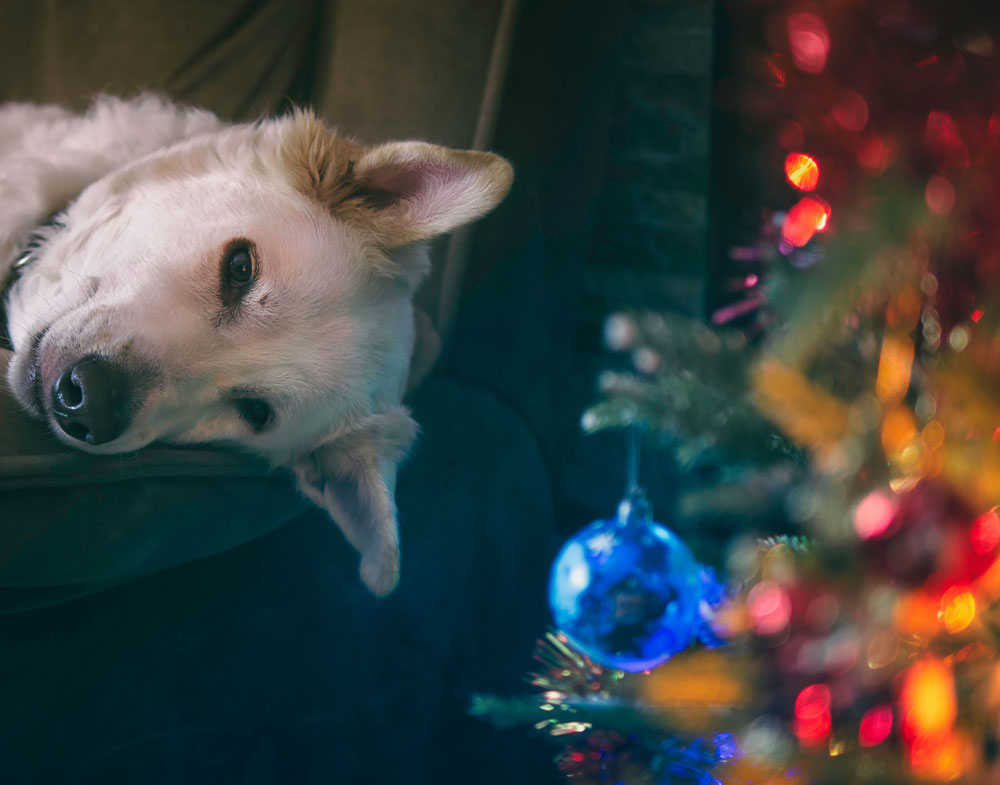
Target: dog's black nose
x: 90, y: 400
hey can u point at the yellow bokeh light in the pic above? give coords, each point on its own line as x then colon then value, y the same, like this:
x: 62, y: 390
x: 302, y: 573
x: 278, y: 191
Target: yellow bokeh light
x: 928, y: 698
x: 958, y: 609
x: 805, y: 411
x: 894, y: 367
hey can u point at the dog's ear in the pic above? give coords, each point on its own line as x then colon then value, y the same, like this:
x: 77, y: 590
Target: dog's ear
x: 399, y: 192
x: 411, y: 191
x: 353, y: 477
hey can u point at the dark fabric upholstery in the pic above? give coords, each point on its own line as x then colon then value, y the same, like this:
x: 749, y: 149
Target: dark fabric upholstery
x: 78, y: 521
x: 271, y: 663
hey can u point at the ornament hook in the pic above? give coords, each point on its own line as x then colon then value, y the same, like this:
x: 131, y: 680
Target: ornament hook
x: 635, y: 506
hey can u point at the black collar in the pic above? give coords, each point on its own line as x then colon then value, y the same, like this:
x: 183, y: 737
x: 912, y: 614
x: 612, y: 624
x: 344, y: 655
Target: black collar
x: 14, y: 273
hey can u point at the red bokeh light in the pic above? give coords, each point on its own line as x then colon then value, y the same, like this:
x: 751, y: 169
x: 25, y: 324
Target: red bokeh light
x: 873, y: 154
x: 876, y: 725
x: 808, y: 216
x: 851, y: 112
x: 977, y: 314
x: 770, y: 608
x: 942, y: 137
x: 802, y: 171
x: 873, y: 514
x: 994, y: 126
x: 791, y: 135
x: 812, y: 714
x: 985, y: 533
x: 939, y: 195
x: 809, y: 40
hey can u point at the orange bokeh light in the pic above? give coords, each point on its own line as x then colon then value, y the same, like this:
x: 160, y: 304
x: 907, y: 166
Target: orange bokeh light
x: 802, y: 171
x: 808, y: 216
x: 927, y: 699
x: 895, y: 366
x: 942, y: 757
x: 899, y: 429
x: 916, y: 615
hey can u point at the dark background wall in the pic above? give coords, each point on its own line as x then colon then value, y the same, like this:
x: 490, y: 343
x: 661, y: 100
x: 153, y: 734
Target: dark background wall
x: 606, y: 114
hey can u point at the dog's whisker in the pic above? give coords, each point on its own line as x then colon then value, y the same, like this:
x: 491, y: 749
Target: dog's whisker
x: 71, y: 271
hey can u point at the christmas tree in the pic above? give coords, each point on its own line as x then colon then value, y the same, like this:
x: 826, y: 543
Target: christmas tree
x: 850, y: 391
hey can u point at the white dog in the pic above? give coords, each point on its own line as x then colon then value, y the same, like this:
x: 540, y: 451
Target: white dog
x: 172, y: 278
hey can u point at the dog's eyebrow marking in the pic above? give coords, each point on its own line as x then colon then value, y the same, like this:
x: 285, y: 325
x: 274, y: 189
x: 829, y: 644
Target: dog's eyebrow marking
x: 247, y: 392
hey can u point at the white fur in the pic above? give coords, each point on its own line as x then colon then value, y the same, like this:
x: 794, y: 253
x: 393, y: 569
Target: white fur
x: 151, y: 193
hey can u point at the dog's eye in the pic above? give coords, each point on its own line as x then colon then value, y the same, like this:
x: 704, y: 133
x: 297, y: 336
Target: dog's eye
x: 257, y: 413
x: 239, y: 265
x: 237, y: 271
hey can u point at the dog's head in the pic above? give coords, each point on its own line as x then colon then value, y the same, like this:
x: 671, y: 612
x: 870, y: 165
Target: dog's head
x: 251, y: 286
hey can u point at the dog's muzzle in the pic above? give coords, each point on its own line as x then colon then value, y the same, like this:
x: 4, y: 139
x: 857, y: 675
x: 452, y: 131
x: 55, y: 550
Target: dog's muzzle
x: 92, y: 400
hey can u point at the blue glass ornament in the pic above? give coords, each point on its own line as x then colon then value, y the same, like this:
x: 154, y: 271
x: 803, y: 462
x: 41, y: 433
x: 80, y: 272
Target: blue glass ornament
x: 626, y: 590
x: 713, y: 597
